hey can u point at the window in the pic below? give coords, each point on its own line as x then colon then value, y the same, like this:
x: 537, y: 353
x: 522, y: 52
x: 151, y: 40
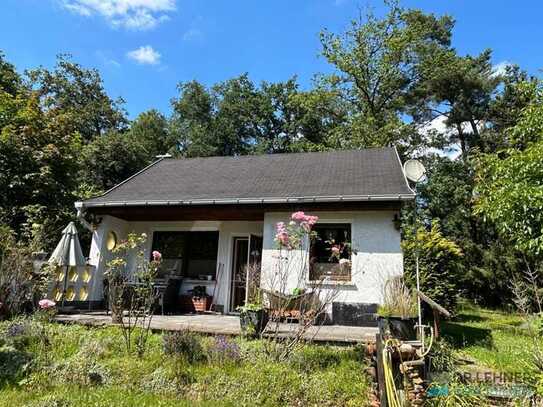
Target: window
x: 189, y: 254
x: 330, y: 252
x: 111, y: 241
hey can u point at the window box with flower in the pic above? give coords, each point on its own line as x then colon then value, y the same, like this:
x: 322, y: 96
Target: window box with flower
x: 331, y: 252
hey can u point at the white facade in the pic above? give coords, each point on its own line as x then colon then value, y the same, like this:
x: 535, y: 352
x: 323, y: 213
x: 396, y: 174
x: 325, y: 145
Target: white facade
x: 376, y: 255
x: 375, y: 242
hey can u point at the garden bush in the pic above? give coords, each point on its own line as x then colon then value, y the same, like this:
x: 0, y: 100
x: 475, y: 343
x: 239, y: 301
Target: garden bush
x: 14, y: 364
x: 24, y: 334
x: 81, y: 369
x: 184, y: 344
x: 88, y: 366
x: 439, y: 264
x: 223, y: 350
x: 20, y: 286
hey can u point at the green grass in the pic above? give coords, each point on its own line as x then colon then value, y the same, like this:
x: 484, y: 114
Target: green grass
x: 58, y: 373
x: 101, y: 396
x: 496, y: 340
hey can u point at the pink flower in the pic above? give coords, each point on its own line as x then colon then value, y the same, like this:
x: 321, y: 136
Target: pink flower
x: 46, y: 304
x: 283, y: 238
x: 298, y: 216
x: 335, y: 250
x: 280, y: 227
x: 306, y: 221
x: 157, y: 256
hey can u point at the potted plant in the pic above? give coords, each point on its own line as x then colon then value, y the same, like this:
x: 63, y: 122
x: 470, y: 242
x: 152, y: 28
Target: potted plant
x: 397, y: 314
x: 253, y: 318
x: 201, y: 301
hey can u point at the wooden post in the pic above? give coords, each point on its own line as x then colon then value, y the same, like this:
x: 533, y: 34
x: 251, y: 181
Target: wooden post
x: 436, y: 323
x: 380, y: 371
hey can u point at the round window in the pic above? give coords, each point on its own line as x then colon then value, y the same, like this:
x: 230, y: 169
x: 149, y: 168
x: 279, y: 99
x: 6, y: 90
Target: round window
x: 111, y: 241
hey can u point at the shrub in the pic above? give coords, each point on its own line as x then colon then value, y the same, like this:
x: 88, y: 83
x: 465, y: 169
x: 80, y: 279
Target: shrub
x: 183, y: 344
x: 439, y: 264
x: 161, y: 381
x: 398, y: 300
x: 82, y: 368
x: 24, y: 334
x: 14, y: 364
x: 19, y: 284
x: 223, y: 350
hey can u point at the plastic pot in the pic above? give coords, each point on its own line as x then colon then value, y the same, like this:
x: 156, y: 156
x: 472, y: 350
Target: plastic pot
x: 397, y: 327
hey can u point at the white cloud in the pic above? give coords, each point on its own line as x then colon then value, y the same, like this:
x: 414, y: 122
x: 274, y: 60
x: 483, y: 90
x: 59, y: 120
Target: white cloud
x: 131, y: 14
x: 438, y: 125
x: 145, y: 55
x: 500, y: 68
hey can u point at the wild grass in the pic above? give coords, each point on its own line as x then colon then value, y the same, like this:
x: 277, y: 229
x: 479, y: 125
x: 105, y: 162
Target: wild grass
x: 89, y: 366
x: 494, y: 339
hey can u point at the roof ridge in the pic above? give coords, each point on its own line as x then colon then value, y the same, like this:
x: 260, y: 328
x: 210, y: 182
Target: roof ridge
x: 351, y: 150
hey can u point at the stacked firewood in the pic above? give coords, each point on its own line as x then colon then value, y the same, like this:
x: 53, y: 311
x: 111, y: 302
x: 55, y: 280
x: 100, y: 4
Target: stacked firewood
x: 413, y: 384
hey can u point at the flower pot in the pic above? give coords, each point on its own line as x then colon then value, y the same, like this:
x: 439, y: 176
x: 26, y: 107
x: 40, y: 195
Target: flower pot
x: 397, y: 327
x: 253, y: 323
x: 201, y: 304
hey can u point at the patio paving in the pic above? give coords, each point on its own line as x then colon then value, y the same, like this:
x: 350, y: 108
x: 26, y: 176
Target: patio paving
x: 217, y: 324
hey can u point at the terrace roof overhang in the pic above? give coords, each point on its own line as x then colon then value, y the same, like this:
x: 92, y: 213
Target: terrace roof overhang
x: 239, y: 209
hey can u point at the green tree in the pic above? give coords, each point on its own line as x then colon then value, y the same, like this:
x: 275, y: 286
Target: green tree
x: 460, y: 89
x: 112, y: 158
x: 238, y: 117
x: 38, y: 167
x: 151, y: 131
x: 439, y: 264
x: 10, y: 80
x: 379, y: 66
x: 447, y: 196
x: 510, y: 191
x: 78, y: 95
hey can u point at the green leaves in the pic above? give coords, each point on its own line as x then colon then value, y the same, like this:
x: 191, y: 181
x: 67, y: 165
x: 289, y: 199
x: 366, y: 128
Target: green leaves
x: 439, y: 264
x: 380, y: 65
x: 510, y: 193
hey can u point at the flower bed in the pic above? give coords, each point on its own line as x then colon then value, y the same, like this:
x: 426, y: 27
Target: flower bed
x: 58, y: 365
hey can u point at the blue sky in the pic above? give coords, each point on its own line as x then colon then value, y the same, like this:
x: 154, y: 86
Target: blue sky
x: 143, y: 48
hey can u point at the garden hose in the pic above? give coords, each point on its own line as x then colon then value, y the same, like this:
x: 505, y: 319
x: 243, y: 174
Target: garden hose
x: 392, y: 393
x: 425, y: 350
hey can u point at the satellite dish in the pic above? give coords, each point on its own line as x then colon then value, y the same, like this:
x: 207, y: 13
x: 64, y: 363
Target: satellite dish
x: 414, y: 170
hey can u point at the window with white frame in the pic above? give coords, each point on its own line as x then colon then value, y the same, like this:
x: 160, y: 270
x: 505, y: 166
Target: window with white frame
x: 330, y: 252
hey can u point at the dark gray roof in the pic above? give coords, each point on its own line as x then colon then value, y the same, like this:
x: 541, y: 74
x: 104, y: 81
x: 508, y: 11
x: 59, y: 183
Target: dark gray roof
x: 355, y: 175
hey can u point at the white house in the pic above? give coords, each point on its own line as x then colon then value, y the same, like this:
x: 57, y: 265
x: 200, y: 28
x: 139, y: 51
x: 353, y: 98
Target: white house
x: 211, y: 217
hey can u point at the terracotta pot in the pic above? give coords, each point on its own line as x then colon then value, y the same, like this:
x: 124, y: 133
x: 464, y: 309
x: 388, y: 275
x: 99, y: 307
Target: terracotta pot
x: 201, y: 304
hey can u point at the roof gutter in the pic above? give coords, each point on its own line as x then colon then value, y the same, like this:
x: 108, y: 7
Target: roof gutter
x: 246, y: 201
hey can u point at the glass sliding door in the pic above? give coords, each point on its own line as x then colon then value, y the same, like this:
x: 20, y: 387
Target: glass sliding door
x: 239, y: 269
x: 246, y: 258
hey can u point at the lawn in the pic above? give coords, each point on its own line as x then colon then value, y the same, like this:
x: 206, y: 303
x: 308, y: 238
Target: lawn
x: 495, y: 340
x: 59, y: 365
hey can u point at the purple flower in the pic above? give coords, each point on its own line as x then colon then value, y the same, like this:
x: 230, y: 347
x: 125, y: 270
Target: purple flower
x: 225, y: 350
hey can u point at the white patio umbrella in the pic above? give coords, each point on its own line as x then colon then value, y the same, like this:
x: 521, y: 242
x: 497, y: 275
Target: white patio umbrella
x: 68, y: 254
